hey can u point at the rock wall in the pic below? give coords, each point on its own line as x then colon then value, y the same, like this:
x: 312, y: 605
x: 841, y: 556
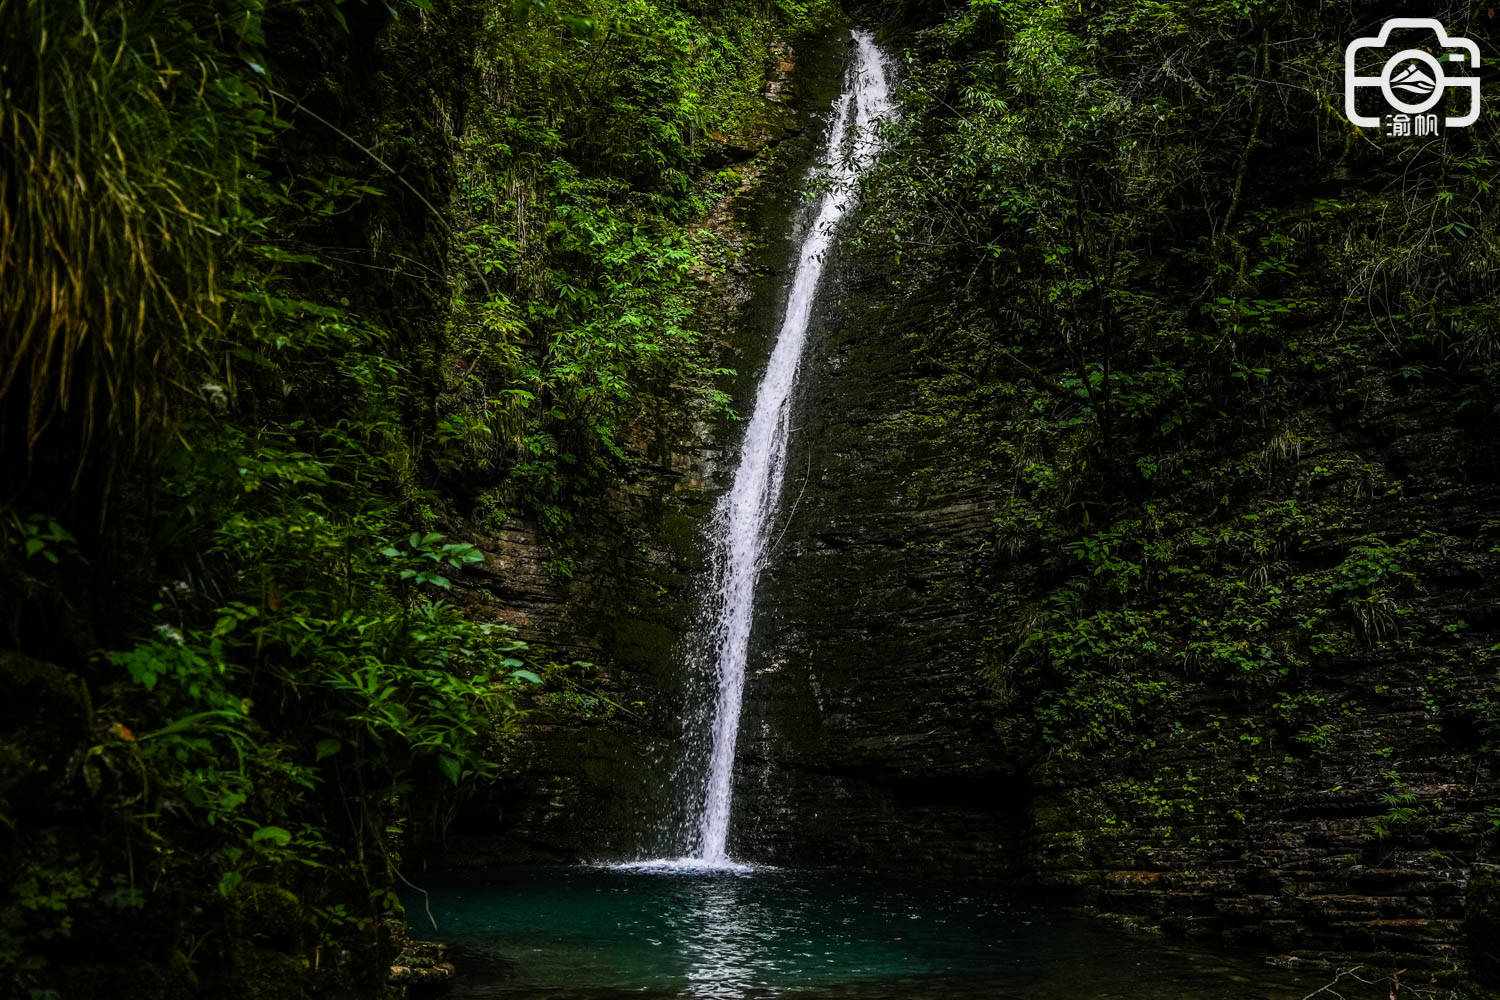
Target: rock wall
x: 890, y: 723
x: 595, y: 771
x: 881, y: 730
x: 865, y: 741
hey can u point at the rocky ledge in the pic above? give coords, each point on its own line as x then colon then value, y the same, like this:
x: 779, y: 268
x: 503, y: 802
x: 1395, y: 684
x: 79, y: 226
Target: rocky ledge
x: 421, y: 964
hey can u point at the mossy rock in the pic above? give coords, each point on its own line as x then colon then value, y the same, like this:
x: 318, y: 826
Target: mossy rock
x: 267, y: 915
x: 29, y: 686
x: 19, y: 672
x: 45, y: 713
x: 169, y: 980
x: 256, y: 973
x: 645, y: 645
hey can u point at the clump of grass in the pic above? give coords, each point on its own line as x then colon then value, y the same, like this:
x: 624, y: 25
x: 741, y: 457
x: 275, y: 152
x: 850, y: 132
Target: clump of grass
x: 113, y: 181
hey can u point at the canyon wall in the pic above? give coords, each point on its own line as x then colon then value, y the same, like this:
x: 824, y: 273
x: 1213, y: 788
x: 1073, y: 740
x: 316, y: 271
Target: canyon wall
x: 1215, y: 655
x: 887, y: 726
x: 596, y: 771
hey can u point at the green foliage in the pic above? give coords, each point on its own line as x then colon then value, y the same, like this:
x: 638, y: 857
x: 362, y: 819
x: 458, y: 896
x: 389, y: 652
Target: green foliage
x: 1172, y: 299
x: 36, y: 536
x: 425, y: 555
x: 568, y: 690
x: 577, y: 247
x: 118, y: 173
x: 282, y: 677
x: 1401, y: 809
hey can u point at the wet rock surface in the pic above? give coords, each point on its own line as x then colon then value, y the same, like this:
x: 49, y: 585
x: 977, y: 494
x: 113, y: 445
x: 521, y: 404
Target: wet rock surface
x: 885, y: 729
x: 593, y: 773
x: 421, y: 964
x: 876, y: 735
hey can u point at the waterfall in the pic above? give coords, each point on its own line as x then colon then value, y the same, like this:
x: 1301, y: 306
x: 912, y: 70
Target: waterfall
x: 741, y: 524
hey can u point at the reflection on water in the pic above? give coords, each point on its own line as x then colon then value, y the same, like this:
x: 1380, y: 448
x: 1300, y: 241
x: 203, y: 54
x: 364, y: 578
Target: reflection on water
x: 594, y: 933
x: 718, y: 962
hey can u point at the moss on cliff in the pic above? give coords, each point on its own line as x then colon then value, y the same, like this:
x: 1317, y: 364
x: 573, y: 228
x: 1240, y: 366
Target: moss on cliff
x: 1224, y: 398
x: 424, y: 256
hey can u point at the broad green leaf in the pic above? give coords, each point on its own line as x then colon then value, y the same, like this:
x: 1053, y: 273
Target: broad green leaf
x: 274, y: 834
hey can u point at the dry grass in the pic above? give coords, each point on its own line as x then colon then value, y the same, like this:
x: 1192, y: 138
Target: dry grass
x: 111, y: 182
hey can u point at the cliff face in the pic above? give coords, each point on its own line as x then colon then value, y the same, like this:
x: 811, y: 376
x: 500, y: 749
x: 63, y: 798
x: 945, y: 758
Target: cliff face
x: 1140, y: 524
x: 595, y: 770
x: 866, y: 738
x: 884, y: 729
x: 1145, y: 545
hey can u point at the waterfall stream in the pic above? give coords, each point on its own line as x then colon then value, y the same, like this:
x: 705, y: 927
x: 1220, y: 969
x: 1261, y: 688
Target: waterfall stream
x: 739, y: 532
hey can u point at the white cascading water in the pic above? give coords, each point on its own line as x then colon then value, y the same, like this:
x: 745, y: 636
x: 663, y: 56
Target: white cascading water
x: 740, y: 529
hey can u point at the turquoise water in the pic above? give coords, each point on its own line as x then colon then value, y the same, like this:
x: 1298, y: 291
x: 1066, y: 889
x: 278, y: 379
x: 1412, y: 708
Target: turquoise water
x: 584, y: 933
